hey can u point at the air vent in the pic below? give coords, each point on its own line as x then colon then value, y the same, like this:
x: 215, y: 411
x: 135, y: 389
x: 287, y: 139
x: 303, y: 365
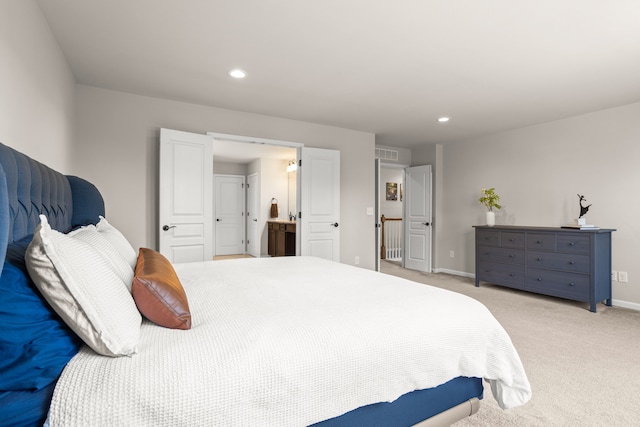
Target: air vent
x: 384, y: 154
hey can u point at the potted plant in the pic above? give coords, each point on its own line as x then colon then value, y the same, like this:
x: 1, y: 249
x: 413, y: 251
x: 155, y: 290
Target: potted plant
x: 490, y: 199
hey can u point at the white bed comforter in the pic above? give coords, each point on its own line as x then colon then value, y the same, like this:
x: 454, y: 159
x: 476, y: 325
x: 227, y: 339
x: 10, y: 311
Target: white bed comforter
x: 289, y: 342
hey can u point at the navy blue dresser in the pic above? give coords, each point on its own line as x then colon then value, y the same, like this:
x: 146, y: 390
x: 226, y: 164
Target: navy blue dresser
x: 565, y: 263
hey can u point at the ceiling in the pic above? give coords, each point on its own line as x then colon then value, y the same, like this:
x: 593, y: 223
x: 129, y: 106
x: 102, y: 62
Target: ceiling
x: 387, y: 67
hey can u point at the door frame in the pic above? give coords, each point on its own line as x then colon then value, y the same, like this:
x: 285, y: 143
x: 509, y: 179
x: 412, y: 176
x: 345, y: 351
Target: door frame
x: 255, y: 237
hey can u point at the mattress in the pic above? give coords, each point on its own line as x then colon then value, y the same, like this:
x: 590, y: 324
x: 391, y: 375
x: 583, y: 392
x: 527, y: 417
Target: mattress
x: 287, y: 342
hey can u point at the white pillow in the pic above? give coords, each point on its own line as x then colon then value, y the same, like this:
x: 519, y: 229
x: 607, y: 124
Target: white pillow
x: 84, y: 290
x: 89, y: 234
x: 120, y: 242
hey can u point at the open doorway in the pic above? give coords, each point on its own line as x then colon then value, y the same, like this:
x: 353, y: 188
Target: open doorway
x: 265, y: 169
x: 404, y: 224
x: 391, y: 191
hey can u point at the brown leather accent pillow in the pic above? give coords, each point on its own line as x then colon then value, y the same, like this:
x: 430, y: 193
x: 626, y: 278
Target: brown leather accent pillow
x: 158, y: 292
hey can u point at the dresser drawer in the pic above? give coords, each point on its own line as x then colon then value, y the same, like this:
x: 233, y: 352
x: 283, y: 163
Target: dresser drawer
x: 511, y: 240
x: 558, y: 261
x: 574, y: 244
x: 566, y: 285
x: 488, y: 238
x: 506, y: 255
x: 504, y: 274
x: 541, y: 241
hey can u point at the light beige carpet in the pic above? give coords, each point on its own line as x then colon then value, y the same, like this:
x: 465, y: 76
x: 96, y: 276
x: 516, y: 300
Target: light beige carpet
x: 584, y: 367
x: 223, y: 257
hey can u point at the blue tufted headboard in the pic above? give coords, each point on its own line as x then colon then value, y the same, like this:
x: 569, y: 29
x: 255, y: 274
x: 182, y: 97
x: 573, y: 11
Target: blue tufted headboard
x: 28, y: 188
x: 35, y: 344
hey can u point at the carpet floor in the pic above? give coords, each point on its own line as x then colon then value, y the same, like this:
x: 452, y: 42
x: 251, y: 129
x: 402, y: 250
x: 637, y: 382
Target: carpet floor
x: 584, y: 367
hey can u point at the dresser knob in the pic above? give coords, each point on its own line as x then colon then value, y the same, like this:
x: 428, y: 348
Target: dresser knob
x: 539, y: 279
x: 539, y: 259
x: 539, y: 241
x: 572, y: 284
x: 511, y: 239
x: 572, y: 262
x: 511, y: 274
x: 510, y: 255
x: 572, y: 244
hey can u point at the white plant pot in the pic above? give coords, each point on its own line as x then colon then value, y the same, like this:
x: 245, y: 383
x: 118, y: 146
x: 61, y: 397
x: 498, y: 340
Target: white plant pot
x: 491, y: 218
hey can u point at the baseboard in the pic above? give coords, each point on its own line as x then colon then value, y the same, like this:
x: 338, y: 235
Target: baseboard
x: 625, y: 304
x: 614, y: 302
x: 454, y: 272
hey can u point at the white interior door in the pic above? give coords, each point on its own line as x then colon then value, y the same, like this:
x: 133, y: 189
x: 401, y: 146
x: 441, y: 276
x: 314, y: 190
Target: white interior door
x: 185, y: 196
x: 229, y: 214
x: 319, y: 195
x: 253, y: 233
x: 417, y: 221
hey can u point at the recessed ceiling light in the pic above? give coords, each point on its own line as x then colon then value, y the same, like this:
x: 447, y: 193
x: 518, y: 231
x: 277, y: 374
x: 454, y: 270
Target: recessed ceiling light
x: 238, y: 73
x: 443, y: 119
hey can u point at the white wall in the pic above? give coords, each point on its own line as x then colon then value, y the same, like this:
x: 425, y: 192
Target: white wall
x: 36, y: 86
x: 538, y: 172
x: 404, y: 155
x: 116, y: 147
x: 225, y: 168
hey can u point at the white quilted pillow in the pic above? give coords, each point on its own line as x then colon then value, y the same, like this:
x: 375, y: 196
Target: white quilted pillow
x: 115, y: 237
x: 84, y: 290
x: 89, y: 234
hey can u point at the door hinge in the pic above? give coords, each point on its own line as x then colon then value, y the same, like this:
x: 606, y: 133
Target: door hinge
x: 300, y: 163
x: 299, y: 214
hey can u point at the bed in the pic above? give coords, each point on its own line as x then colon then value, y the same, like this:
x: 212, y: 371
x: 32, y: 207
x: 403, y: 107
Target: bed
x: 288, y: 341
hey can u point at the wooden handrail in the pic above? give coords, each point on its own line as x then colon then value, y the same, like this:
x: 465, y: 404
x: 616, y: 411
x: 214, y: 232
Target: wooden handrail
x: 383, y: 248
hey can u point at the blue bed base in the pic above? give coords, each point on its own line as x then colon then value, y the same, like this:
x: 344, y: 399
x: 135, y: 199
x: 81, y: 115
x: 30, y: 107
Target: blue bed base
x: 411, y: 408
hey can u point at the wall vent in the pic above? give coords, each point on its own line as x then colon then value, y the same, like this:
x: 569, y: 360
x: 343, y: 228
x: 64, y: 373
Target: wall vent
x: 384, y: 154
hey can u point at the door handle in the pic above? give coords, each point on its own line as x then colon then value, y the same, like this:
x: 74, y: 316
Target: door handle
x: 335, y: 224
x: 217, y: 219
x: 166, y: 227
x: 256, y: 220
x: 425, y: 223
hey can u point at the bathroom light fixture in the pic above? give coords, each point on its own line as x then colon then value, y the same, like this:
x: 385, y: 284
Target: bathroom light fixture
x: 292, y: 166
x: 443, y: 119
x: 238, y: 73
